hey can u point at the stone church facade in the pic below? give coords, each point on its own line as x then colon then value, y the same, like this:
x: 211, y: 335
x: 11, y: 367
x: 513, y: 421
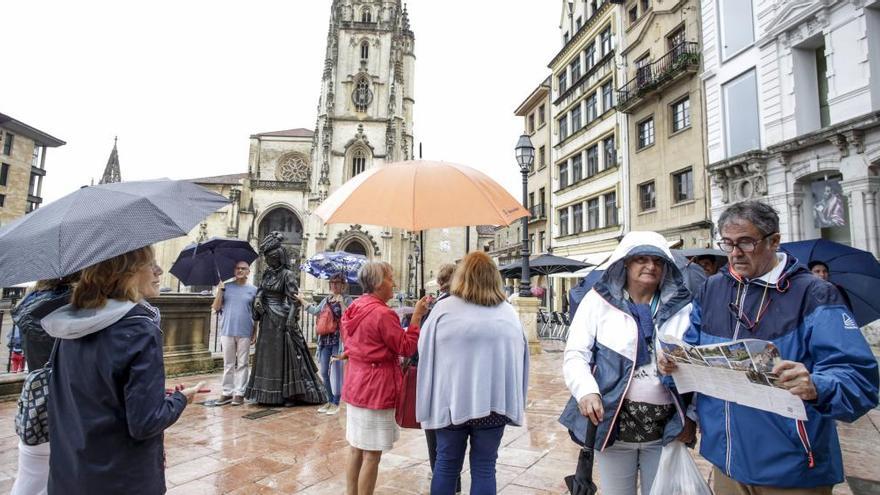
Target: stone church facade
x: 364, y: 119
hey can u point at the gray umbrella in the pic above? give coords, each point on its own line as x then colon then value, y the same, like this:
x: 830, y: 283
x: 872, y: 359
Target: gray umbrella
x: 96, y: 223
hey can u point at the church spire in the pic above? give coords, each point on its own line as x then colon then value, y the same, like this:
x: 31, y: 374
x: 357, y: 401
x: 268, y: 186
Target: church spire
x: 111, y: 171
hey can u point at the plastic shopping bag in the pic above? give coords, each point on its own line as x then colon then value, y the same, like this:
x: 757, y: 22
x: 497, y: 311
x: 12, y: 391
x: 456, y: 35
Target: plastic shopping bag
x: 677, y: 473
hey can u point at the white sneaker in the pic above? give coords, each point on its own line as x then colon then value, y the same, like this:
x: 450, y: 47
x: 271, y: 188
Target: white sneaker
x: 332, y: 410
x: 323, y: 409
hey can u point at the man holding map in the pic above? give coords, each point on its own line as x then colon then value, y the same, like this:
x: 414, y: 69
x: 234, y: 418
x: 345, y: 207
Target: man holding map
x: 817, y: 354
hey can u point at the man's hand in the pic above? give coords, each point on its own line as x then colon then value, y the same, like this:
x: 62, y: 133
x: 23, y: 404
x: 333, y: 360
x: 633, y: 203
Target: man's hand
x: 190, y: 392
x: 689, y: 432
x: 796, y: 378
x: 590, y: 406
x: 666, y: 366
x: 221, y: 285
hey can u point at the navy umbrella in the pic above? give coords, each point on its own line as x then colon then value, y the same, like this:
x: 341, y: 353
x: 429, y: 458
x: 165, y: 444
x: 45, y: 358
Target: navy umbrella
x: 96, y: 223
x: 545, y: 264
x: 209, y: 262
x: 853, y: 270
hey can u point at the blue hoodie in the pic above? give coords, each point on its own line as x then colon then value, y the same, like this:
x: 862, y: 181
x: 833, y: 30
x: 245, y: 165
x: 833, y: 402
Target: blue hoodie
x: 107, y: 406
x: 809, y: 323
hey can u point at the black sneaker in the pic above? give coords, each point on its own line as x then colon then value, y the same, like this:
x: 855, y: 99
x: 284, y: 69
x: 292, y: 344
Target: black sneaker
x: 223, y: 400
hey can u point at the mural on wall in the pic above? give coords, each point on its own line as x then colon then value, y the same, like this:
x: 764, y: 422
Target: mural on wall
x: 828, y: 207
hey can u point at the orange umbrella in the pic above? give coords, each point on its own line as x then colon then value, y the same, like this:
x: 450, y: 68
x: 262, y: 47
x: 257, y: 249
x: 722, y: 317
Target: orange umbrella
x: 420, y: 195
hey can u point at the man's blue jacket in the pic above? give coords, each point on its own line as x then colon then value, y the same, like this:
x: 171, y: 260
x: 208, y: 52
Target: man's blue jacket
x: 808, y: 321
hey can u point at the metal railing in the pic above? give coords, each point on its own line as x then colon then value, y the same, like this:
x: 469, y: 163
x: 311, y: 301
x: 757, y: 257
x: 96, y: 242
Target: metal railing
x: 682, y: 57
x: 306, y: 324
x: 537, y: 211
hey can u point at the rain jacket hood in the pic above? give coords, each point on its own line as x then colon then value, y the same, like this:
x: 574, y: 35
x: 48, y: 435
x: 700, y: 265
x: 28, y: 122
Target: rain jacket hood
x: 68, y: 322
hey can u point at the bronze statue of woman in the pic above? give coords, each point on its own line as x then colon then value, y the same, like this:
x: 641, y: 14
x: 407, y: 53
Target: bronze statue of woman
x: 284, y: 372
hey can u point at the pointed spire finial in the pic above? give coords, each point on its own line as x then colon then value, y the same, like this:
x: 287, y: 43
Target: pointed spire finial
x: 112, y: 171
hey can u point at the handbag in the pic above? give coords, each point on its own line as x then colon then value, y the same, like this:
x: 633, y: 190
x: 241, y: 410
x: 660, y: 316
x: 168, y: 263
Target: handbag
x: 405, y: 408
x: 327, y: 323
x: 32, y: 416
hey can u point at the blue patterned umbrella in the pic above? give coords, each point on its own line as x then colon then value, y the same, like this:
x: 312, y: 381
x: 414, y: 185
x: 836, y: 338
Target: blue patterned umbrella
x: 329, y: 263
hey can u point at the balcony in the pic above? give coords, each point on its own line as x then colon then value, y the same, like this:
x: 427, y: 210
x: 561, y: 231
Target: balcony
x: 683, y: 59
x: 537, y: 212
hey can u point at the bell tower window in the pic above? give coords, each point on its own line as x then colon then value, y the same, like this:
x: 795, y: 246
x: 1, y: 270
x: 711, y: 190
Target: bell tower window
x: 367, y: 15
x: 365, y: 51
x: 358, y: 162
x: 362, y: 95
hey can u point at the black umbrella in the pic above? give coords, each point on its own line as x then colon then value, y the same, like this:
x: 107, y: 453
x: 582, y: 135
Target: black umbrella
x: 96, y: 223
x: 581, y: 482
x: 209, y: 262
x: 545, y: 264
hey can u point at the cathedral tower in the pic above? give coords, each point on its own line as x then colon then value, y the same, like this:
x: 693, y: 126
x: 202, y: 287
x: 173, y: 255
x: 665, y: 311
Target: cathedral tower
x: 364, y: 119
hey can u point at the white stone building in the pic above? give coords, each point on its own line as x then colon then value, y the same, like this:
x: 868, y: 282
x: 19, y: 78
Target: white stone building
x: 793, y: 104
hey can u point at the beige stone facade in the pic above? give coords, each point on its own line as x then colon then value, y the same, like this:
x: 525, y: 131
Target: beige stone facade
x: 662, y: 98
x: 22, y: 167
x: 535, y: 112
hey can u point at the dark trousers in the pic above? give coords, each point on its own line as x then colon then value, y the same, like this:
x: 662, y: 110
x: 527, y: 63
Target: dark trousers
x: 431, y: 437
x: 452, y: 443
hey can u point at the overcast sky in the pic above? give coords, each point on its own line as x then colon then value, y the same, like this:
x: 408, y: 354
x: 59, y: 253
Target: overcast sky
x: 185, y: 83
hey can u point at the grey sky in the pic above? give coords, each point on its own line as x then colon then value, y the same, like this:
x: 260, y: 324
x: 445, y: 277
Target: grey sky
x: 183, y: 84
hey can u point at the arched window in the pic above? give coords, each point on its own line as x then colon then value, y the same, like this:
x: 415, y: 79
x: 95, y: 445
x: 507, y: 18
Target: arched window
x: 358, y: 162
x: 362, y: 95
x: 367, y: 15
x: 365, y: 51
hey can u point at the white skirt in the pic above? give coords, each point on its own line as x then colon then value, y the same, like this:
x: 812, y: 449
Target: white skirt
x: 370, y: 429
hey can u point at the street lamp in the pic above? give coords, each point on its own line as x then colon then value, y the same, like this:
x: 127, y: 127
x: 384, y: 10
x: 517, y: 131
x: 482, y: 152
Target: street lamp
x: 525, y: 157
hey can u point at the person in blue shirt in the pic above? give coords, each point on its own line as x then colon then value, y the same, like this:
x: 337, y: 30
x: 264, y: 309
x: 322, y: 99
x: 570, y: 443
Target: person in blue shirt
x: 825, y: 360
x: 235, y: 304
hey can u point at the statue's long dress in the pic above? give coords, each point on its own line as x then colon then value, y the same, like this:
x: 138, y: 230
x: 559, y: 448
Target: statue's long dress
x: 284, y: 371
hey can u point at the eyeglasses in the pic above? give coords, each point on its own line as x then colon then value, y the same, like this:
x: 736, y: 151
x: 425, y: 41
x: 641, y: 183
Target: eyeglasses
x: 746, y: 245
x: 242, y: 268
x: 743, y: 318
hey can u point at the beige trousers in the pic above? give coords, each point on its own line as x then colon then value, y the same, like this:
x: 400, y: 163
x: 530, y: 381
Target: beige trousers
x: 726, y: 486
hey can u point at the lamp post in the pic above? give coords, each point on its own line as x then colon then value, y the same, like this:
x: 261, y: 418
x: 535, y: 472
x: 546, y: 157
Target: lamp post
x: 525, y: 157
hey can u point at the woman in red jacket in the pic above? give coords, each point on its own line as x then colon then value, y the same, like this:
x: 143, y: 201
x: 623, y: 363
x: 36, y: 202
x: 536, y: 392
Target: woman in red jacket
x: 374, y: 340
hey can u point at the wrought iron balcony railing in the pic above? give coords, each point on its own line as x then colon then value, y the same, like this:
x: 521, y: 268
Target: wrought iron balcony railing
x: 684, y: 57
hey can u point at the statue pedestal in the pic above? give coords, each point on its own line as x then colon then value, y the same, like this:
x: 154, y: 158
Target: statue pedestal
x: 186, y: 331
x: 527, y: 310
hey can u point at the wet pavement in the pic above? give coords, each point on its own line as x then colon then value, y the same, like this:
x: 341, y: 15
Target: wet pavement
x: 294, y: 450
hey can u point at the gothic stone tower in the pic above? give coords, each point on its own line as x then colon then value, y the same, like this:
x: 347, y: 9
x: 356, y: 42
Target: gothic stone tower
x: 364, y: 120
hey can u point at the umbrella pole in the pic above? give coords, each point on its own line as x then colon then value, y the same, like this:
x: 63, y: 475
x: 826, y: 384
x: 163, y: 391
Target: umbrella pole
x: 422, y: 263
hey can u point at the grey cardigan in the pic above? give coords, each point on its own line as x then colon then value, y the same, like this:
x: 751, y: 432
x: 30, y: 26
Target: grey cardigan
x: 473, y: 360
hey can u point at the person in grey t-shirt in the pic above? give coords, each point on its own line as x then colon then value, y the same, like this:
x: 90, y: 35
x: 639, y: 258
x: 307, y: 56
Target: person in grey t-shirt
x: 235, y: 304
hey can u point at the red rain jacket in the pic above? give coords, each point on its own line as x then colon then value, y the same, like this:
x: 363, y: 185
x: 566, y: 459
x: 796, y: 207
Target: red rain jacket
x: 373, y: 341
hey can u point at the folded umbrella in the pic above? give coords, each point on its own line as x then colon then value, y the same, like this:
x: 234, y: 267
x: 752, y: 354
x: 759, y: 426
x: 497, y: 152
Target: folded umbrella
x: 209, y: 262
x: 855, y: 271
x: 329, y: 264
x: 96, y: 223
x: 581, y: 482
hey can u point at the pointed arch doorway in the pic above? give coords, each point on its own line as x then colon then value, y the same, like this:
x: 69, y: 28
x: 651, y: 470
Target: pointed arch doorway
x: 355, y: 246
x: 284, y: 220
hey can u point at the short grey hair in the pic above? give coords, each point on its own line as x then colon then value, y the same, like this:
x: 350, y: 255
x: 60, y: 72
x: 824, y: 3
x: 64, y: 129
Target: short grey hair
x: 371, y: 275
x: 763, y: 216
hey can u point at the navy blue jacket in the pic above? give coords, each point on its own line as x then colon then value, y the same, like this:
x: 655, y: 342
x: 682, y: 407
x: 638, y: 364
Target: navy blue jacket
x: 809, y: 323
x: 108, y: 409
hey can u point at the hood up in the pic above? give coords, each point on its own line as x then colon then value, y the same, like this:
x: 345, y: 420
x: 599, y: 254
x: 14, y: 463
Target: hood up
x: 360, y: 309
x: 70, y: 323
x: 673, y: 293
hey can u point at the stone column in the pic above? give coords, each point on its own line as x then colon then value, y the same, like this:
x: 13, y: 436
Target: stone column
x: 795, y: 228
x: 862, y: 196
x: 527, y: 310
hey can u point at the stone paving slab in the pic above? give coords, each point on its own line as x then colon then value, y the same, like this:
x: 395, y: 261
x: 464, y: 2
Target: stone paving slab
x: 214, y: 450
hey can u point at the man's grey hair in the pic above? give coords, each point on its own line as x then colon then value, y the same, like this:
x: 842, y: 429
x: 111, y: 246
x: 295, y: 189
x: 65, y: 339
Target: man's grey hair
x: 763, y: 216
x: 371, y: 275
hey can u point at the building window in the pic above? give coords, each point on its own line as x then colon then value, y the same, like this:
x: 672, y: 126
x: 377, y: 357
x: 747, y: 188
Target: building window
x: 531, y: 201
x: 643, y: 70
x: 593, y: 214
x: 358, y: 162
x: 675, y: 42
x: 532, y: 243
x: 563, y: 221
x: 365, y: 52
x: 542, y: 157
x: 7, y: 144
x: 681, y: 114
x: 610, y: 152
x: 35, y: 156
x: 33, y: 186
x: 592, y: 160
x: 741, y: 120
x: 590, y: 55
x: 633, y: 14
x: 531, y: 123
x: 577, y: 216
x: 563, y: 81
x: 605, y: 37
x: 607, y: 96
x: 592, y: 110
x: 575, y: 68
x: 646, y: 132
x: 367, y: 15
x: 683, y: 186
x: 647, y: 196
x: 737, y: 26
x: 2, y: 200
x: 577, y: 168
x: 576, y: 118
x: 579, y: 22
x: 646, y: 4
x: 563, y: 174
x: 611, y: 209
x: 563, y: 127
x: 822, y: 83
x: 4, y: 174
x: 541, y: 236
x: 541, y: 115
x: 565, y: 38
x: 542, y: 203
x: 362, y: 95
